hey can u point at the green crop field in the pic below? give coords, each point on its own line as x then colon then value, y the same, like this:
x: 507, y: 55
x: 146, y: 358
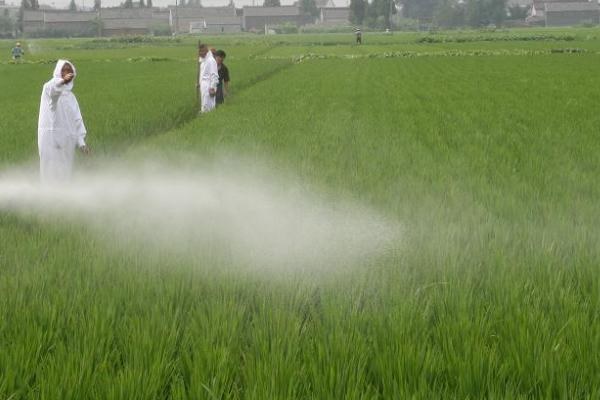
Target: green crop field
x: 481, y: 147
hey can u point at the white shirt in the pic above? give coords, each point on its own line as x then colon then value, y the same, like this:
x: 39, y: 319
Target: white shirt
x: 209, y: 73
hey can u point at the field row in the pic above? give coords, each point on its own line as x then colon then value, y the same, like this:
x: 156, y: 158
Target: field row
x: 242, y: 47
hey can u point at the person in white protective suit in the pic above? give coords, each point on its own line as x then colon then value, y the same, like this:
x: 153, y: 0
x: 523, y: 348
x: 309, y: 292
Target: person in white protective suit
x: 60, y: 125
x: 208, y: 79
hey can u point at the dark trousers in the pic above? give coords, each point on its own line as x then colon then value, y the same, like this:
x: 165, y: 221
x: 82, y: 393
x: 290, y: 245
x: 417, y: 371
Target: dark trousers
x: 220, y: 98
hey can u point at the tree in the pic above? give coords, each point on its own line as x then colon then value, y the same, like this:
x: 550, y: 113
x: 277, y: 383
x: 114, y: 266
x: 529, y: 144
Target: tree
x: 97, y: 5
x: 450, y: 13
x: 497, y: 11
x: 485, y: 12
x: 142, y: 4
x: 358, y: 10
x: 379, y: 12
x: 518, y: 12
x: 309, y: 7
x: 149, y: 3
x: 72, y: 6
x: 419, y: 9
x: 7, y: 25
x: 272, y: 3
x: 35, y: 4
x: 128, y: 4
x: 98, y: 25
x: 25, y: 4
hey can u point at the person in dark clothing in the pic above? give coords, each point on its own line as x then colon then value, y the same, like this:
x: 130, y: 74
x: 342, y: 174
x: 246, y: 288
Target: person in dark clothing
x: 17, y: 52
x: 223, y: 85
x: 358, y: 34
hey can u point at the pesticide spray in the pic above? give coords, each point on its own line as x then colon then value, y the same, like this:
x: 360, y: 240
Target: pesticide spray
x: 257, y: 218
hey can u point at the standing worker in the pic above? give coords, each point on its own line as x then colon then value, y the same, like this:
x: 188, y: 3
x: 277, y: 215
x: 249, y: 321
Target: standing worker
x: 208, y: 78
x: 358, y: 34
x: 17, y: 52
x: 223, y: 85
x: 60, y: 125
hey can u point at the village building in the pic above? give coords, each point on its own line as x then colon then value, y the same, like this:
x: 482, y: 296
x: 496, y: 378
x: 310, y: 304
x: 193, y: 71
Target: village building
x: 329, y: 13
x: 519, y: 3
x: 128, y: 21
x: 260, y: 18
x: 334, y: 15
x: 563, y: 12
x: 324, y: 4
x: 568, y: 14
x: 193, y: 19
x: 120, y: 21
x: 106, y: 22
x: 44, y: 22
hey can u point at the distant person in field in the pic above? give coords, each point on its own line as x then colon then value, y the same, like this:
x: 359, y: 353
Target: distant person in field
x: 60, y: 125
x: 17, y: 52
x: 358, y: 34
x: 208, y: 78
x: 223, y: 85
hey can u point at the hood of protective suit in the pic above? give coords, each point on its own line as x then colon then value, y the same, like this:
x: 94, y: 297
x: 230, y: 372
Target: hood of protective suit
x: 208, y: 56
x: 57, y: 72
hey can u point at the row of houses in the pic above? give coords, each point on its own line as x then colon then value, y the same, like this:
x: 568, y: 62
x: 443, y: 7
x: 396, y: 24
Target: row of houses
x: 564, y: 12
x: 139, y: 21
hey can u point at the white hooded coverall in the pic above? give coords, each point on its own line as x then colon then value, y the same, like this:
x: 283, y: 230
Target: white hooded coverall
x: 209, y: 79
x: 60, y: 127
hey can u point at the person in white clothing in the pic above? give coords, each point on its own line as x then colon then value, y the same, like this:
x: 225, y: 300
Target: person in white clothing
x: 60, y: 125
x: 208, y: 78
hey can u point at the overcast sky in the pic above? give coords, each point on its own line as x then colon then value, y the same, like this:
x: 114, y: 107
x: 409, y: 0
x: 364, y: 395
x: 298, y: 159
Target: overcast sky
x: 164, y: 3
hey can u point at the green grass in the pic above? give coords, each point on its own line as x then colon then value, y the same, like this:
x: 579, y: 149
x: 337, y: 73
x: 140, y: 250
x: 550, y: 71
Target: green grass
x: 489, y: 162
